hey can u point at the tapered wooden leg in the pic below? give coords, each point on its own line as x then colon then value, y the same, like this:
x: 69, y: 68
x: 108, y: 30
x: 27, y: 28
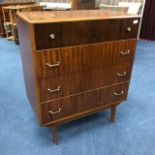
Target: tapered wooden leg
x: 113, y: 113
x: 55, y: 135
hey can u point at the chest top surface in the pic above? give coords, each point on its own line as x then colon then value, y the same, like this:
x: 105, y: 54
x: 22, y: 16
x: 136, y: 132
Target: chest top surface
x: 71, y: 16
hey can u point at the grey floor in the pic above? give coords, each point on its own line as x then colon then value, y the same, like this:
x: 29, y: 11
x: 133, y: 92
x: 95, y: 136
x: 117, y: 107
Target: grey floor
x: 133, y: 133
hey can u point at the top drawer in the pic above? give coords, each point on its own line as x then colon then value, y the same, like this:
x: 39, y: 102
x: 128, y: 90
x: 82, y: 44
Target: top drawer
x: 54, y: 35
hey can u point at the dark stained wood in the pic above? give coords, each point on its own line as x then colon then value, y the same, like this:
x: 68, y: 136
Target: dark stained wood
x: 82, y: 58
x: 28, y: 65
x: 92, y: 54
x: 83, y: 81
x: 113, y: 112
x: 69, y: 34
x: 80, y: 115
x: 133, y: 24
x: 55, y: 134
x: 124, y: 51
x: 79, y: 33
x: 91, y: 99
x: 74, y: 59
x: 83, y: 4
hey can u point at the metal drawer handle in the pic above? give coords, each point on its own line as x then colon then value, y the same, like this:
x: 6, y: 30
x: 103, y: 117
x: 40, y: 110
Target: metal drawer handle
x: 54, y: 90
x: 125, y: 53
x: 129, y: 29
x: 120, y: 75
x: 52, y: 36
x: 119, y: 94
x: 53, y: 65
x: 54, y: 112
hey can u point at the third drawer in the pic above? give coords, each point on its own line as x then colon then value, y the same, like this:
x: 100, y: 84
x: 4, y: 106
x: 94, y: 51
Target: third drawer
x: 61, y: 86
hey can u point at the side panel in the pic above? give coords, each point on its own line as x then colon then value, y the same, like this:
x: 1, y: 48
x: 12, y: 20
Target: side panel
x: 27, y: 56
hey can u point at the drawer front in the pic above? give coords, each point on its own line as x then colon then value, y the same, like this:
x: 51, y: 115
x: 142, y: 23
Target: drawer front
x: 78, y: 33
x: 124, y: 51
x: 70, y: 84
x: 61, y: 61
x: 73, y: 59
x: 129, y: 28
x: 48, y: 36
x: 69, y: 106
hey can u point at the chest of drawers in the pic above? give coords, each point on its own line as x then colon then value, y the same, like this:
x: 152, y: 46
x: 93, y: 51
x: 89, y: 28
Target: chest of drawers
x: 76, y: 63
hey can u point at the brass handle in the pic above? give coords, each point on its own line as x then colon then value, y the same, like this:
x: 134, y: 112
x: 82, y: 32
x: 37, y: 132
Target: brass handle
x: 119, y: 94
x: 53, y: 65
x: 129, y: 29
x: 54, y: 90
x: 54, y: 112
x: 52, y: 36
x: 125, y: 53
x: 120, y: 75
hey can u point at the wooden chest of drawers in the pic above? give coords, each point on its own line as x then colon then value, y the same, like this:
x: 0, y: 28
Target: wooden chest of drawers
x: 74, y: 67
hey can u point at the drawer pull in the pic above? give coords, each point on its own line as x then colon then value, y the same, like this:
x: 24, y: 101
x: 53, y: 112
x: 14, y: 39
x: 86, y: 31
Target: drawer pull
x: 54, y: 112
x: 121, y: 75
x: 119, y: 94
x: 125, y: 53
x: 53, y: 65
x: 54, y: 90
x: 129, y: 29
x: 52, y: 36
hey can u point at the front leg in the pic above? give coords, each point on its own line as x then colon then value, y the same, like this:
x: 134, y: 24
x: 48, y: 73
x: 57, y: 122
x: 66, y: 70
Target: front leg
x: 55, y: 135
x: 113, y: 113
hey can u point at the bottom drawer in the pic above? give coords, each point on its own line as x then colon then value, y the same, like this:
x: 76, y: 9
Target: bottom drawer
x: 75, y: 104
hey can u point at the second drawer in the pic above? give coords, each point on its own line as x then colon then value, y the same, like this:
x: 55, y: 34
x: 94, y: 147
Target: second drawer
x: 70, y: 84
x: 62, y: 61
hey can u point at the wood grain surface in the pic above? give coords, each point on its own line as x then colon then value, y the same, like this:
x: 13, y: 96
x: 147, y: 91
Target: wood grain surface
x: 72, y: 105
x: 72, y: 16
x: 76, y: 63
x: 83, y: 81
x: 86, y: 32
x: 82, y: 58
